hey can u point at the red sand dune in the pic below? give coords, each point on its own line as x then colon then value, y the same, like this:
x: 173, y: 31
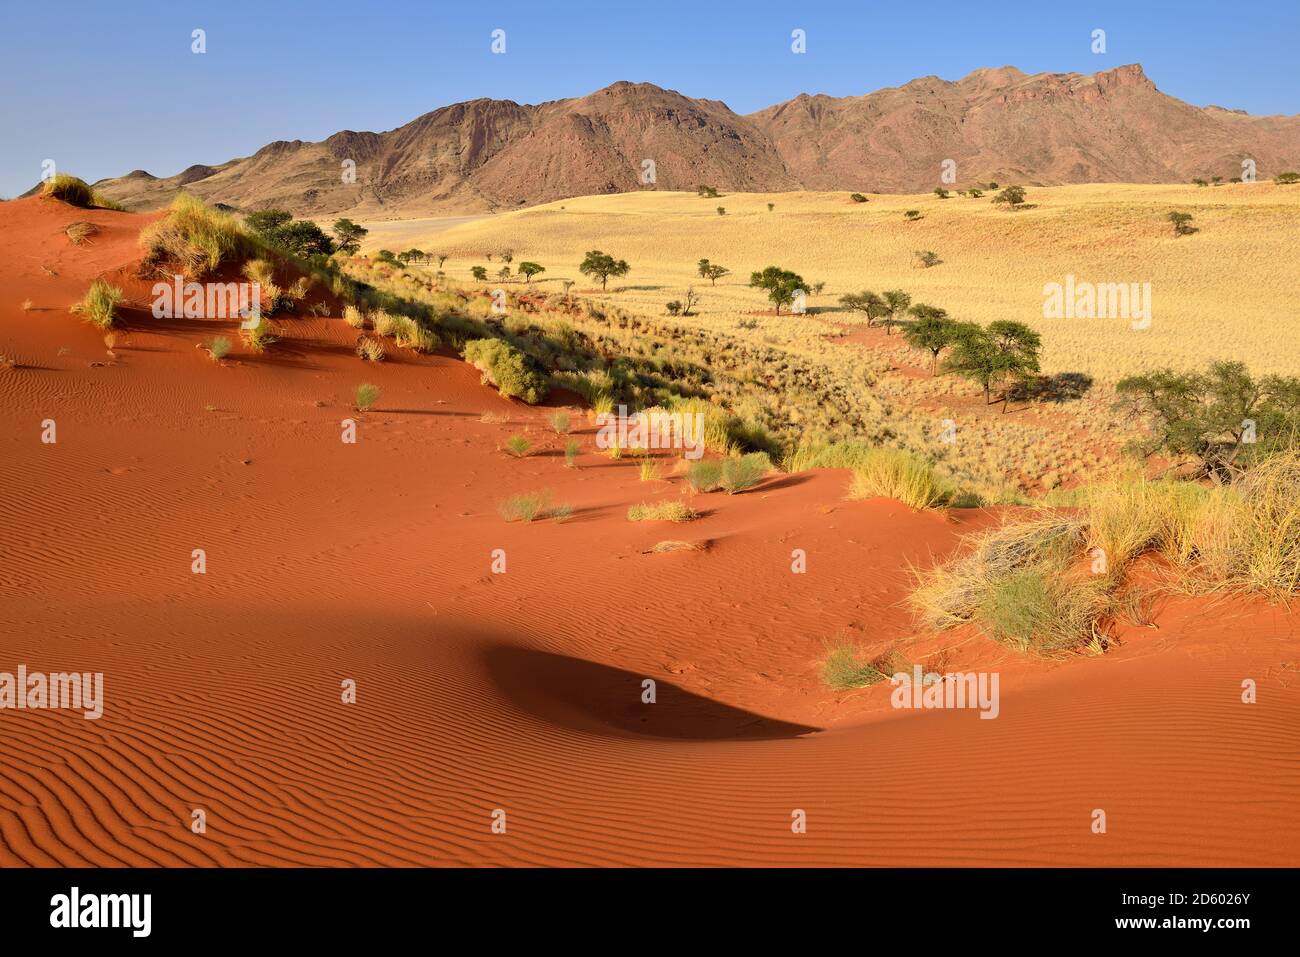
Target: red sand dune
x: 521, y: 691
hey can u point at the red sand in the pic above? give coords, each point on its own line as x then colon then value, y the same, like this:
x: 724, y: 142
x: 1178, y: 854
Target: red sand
x: 521, y: 691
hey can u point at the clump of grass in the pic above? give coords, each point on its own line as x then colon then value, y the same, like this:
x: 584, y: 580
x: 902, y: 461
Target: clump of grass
x: 704, y: 475
x: 69, y: 189
x: 518, y: 446
x: 844, y: 670
x: 354, y: 317
x: 371, y: 350
x: 571, y: 449
x: 79, y: 233
x: 649, y: 471
x: 559, y: 422
x: 893, y: 473
x: 828, y: 455
x: 192, y: 239
x: 28, y: 305
x: 671, y: 511
x: 259, y: 338
x: 384, y: 323
x: 367, y: 396
x: 744, y: 472
x: 99, y: 305
x: 560, y: 513
x: 1045, y: 611
x: 415, y: 337
x: 525, y: 507
x: 219, y: 348
x: 675, y: 545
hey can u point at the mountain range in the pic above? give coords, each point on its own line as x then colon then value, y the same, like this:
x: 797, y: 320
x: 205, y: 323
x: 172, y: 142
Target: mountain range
x: 994, y: 125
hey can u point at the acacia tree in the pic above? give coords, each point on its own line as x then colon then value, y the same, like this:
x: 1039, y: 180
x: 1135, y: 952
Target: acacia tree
x: 602, y: 266
x: 529, y: 269
x: 712, y: 271
x: 896, y: 303
x: 349, y: 235
x: 1221, y: 418
x: 1181, y: 223
x: 479, y: 273
x: 781, y: 285
x: 989, y: 356
x: 932, y: 331
x: 866, y: 302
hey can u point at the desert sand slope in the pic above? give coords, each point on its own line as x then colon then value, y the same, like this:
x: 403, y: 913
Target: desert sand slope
x: 522, y: 691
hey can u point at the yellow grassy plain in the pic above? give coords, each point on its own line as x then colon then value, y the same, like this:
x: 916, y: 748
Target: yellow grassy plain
x: 1227, y: 291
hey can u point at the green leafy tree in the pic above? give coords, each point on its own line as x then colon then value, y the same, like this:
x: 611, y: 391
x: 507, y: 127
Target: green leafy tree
x: 348, y: 236
x: 866, y: 302
x: 712, y: 271
x: 780, y: 284
x: 1181, y: 223
x: 1220, y: 419
x: 479, y: 273
x: 1012, y: 196
x: 896, y: 304
x: 932, y: 331
x: 530, y: 269
x: 303, y: 238
x: 602, y: 266
x: 265, y: 222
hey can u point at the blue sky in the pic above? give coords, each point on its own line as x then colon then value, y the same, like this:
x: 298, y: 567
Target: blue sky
x: 108, y: 86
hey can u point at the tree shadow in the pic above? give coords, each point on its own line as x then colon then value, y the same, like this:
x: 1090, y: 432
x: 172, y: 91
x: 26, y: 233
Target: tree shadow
x: 605, y: 700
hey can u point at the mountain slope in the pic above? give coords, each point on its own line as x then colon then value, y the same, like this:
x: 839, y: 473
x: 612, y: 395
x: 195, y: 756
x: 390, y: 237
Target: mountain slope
x: 998, y: 124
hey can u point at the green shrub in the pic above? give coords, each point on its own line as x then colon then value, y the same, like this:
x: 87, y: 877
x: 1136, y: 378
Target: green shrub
x: 518, y: 446
x: 894, y: 473
x: 744, y: 472
x: 571, y: 453
x: 504, y: 366
x: 219, y: 349
x: 704, y: 475
x: 843, y: 670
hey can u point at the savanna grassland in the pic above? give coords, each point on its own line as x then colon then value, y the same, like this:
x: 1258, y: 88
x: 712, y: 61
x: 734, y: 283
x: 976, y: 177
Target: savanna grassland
x: 1222, y: 292
x: 1217, y: 293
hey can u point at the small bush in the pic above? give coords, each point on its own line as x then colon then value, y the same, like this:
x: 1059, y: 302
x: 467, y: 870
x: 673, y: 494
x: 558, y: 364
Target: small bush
x: 219, y: 349
x: 192, y: 239
x: 649, y: 471
x: 259, y: 338
x: 559, y: 422
x: 857, y: 197
x: 99, y: 305
x: 504, y: 366
x: 843, y: 671
x: 672, y: 511
x: 354, y: 317
x: 371, y: 350
x: 518, y: 446
x: 704, y: 475
x: 571, y: 454
x: 524, y: 508
x: 744, y: 472
x: 367, y: 396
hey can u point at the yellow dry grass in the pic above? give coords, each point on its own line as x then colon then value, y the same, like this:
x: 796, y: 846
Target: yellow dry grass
x: 1224, y: 292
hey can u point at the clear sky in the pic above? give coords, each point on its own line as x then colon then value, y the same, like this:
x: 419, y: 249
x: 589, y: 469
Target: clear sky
x: 103, y: 87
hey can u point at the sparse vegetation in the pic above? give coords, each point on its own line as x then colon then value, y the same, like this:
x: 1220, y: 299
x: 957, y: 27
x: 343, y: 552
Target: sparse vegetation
x: 366, y: 397
x: 99, y: 306
x: 670, y: 511
x: 518, y: 446
x: 507, y: 368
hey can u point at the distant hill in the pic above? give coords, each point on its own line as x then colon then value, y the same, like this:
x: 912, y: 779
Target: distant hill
x: 997, y: 124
